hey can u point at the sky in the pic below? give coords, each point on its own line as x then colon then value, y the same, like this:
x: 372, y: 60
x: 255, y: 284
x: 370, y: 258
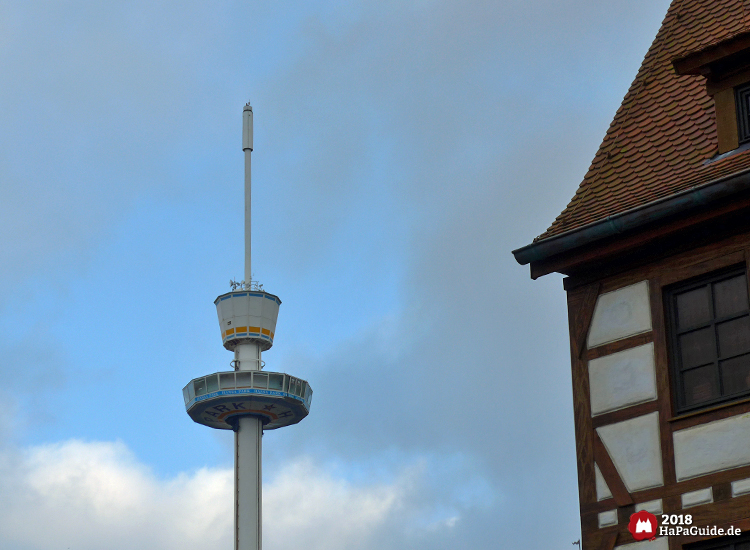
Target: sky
x: 402, y: 150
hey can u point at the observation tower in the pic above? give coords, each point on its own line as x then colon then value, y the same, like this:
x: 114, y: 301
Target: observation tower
x: 247, y: 399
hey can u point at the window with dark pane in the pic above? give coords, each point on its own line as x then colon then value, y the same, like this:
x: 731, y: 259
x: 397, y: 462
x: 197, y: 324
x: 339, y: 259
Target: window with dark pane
x: 742, y: 101
x: 709, y: 329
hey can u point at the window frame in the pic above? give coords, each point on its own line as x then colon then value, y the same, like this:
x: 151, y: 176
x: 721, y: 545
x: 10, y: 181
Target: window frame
x: 742, y: 109
x: 672, y: 336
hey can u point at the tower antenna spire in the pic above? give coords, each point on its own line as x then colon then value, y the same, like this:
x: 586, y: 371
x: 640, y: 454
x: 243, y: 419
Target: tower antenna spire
x: 247, y: 147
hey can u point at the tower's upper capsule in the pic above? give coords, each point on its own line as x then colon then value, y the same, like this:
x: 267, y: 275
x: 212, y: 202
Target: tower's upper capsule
x: 247, y: 316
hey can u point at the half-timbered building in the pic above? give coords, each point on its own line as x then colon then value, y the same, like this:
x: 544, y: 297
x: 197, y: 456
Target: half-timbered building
x: 655, y: 247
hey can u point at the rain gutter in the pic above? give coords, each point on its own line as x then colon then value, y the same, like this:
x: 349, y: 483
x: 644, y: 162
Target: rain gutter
x: 634, y: 218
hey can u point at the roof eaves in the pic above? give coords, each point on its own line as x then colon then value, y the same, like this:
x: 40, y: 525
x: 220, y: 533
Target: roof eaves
x: 634, y: 218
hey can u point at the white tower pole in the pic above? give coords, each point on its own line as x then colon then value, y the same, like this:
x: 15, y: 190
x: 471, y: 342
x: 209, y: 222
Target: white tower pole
x: 247, y: 438
x: 247, y: 147
x: 247, y: 483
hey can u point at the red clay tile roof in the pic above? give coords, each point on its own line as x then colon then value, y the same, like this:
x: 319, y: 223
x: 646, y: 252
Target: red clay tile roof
x: 665, y: 129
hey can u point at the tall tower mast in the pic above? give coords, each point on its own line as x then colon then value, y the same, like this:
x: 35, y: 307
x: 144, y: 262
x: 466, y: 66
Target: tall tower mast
x: 247, y: 400
x: 247, y: 148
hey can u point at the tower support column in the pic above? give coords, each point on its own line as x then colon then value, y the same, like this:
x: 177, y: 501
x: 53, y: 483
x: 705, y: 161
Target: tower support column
x: 248, y: 515
x: 247, y: 357
x: 247, y: 484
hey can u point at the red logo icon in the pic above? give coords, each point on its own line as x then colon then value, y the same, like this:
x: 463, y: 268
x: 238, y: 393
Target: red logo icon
x: 643, y: 525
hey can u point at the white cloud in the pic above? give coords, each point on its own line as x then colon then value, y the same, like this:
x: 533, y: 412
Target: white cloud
x: 305, y: 507
x: 89, y: 495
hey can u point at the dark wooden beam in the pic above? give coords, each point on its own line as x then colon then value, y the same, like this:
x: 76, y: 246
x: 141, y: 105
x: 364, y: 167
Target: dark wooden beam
x: 610, y: 474
x: 619, y: 345
x: 579, y: 301
x: 710, y: 414
x: 674, y: 490
x: 583, y: 317
x: 627, y: 413
x: 608, y: 541
x: 726, y: 121
x: 699, y: 62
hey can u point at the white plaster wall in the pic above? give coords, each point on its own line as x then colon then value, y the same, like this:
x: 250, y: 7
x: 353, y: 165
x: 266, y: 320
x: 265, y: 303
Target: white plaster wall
x: 621, y: 313
x: 635, y: 449
x: 602, y: 490
x: 607, y: 518
x: 653, y: 506
x: 622, y: 379
x: 741, y: 487
x: 658, y: 544
x: 694, y: 498
x: 712, y: 447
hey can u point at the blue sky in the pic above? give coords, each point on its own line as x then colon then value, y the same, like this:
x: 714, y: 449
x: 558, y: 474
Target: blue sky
x: 402, y: 150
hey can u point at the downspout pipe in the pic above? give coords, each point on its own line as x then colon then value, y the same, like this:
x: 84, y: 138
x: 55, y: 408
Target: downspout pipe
x: 634, y: 218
